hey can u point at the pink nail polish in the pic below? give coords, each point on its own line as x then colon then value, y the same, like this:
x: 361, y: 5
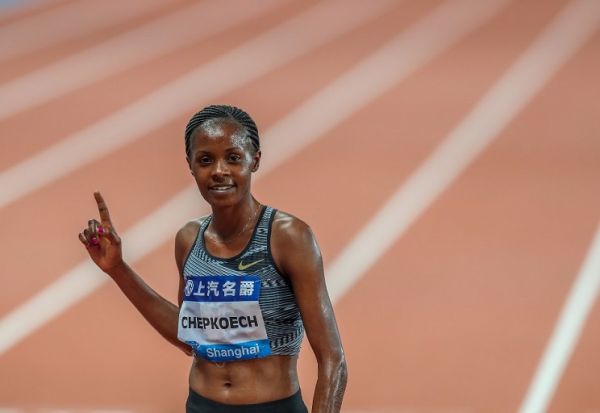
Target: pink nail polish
x: 100, y: 230
x: 94, y: 240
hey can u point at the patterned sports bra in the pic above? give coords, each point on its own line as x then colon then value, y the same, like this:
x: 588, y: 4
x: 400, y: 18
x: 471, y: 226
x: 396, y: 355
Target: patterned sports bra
x: 240, y: 307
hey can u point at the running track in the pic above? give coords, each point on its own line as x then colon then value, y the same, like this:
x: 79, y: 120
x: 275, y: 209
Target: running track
x: 446, y: 154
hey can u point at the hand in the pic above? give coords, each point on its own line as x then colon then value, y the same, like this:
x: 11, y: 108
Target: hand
x: 101, y: 240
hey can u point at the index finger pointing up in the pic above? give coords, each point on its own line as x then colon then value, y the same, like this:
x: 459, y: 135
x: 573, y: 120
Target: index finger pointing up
x: 102, y: 209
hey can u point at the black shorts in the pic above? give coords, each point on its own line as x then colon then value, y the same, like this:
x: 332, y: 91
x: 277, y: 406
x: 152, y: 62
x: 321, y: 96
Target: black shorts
x: 200, y: 404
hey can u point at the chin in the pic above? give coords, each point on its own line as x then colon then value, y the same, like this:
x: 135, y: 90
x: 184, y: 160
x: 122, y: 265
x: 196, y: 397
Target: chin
x: 220, y: 201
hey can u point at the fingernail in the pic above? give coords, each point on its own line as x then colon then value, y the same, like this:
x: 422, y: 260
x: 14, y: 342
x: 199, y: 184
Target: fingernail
x: 94, y: 240
x: 100, y: 230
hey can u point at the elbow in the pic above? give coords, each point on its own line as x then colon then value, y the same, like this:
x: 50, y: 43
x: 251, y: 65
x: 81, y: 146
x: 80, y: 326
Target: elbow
x: 183, y: 347
x: 187, y: 350
x: 339, y: 359
x: 331, y: 357
x: 334, y: 363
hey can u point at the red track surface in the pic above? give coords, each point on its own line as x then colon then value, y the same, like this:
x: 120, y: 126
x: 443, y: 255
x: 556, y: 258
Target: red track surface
x: 453, y: 318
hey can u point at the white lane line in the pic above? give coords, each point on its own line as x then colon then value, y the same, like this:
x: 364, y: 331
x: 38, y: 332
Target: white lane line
x: 569, y: 326
x: 127, y: 50
x: 507, y: 97
x: 256, y: 57
x: 156, y: 228
x: 76, y: 18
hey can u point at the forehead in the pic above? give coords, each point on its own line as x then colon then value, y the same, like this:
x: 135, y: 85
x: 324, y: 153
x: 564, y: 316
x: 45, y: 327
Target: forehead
x: 217, y: 132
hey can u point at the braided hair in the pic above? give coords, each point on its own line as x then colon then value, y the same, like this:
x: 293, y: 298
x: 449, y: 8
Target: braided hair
x: 221, y: 112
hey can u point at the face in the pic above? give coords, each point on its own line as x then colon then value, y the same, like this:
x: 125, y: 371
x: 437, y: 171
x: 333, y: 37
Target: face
x: 222, y: 160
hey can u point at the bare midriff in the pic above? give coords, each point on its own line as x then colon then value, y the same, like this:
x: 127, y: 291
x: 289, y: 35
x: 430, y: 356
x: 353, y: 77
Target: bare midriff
x: 245, y: 381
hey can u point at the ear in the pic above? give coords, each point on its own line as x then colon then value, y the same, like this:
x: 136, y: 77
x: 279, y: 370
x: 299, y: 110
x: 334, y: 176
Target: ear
x: 189, y: 165
x: 256, y: 161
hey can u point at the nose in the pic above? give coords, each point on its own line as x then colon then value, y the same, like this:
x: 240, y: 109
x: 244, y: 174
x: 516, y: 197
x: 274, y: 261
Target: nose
x: 220, y: 169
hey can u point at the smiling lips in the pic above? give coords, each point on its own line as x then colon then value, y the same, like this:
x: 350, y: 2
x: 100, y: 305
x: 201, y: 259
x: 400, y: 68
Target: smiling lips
x: 220, y: 188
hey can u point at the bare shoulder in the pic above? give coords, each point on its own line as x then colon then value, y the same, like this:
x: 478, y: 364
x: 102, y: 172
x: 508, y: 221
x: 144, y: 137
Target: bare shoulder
x: 185, y: 239
x: 288, y: 228
x: 292, y: 241
x: 189, y: 230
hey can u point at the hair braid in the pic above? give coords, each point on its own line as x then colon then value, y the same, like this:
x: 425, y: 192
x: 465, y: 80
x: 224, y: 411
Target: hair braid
x: 221, y: 112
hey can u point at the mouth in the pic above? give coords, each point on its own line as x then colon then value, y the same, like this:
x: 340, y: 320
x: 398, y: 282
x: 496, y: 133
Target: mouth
x: 221, y: 188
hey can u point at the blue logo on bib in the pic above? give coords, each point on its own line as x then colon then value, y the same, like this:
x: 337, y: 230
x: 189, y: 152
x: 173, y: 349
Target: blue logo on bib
x: 222, y: 288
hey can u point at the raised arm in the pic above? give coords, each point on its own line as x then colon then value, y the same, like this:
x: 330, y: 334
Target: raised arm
x: 104, y: 247
x: 296, y: 252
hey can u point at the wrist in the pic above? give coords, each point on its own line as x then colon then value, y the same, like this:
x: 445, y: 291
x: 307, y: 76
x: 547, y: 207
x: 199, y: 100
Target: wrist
x: 118, y: 270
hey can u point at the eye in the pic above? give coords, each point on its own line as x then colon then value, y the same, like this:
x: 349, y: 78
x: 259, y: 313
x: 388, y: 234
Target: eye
x: 234, y: 157
x: 204, y: 160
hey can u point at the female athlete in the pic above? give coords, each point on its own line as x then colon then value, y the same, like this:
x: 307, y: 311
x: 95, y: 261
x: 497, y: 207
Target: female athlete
x: 251, y: 281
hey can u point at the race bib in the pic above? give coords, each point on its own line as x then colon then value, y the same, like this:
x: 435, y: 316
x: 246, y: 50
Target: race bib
x: 220, y: 318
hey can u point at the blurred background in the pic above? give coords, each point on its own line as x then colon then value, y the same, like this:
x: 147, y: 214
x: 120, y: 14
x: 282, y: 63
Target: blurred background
x: 445, y: 153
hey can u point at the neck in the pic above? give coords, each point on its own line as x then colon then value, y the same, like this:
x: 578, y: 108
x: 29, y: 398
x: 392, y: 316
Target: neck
x: 227, y: 222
